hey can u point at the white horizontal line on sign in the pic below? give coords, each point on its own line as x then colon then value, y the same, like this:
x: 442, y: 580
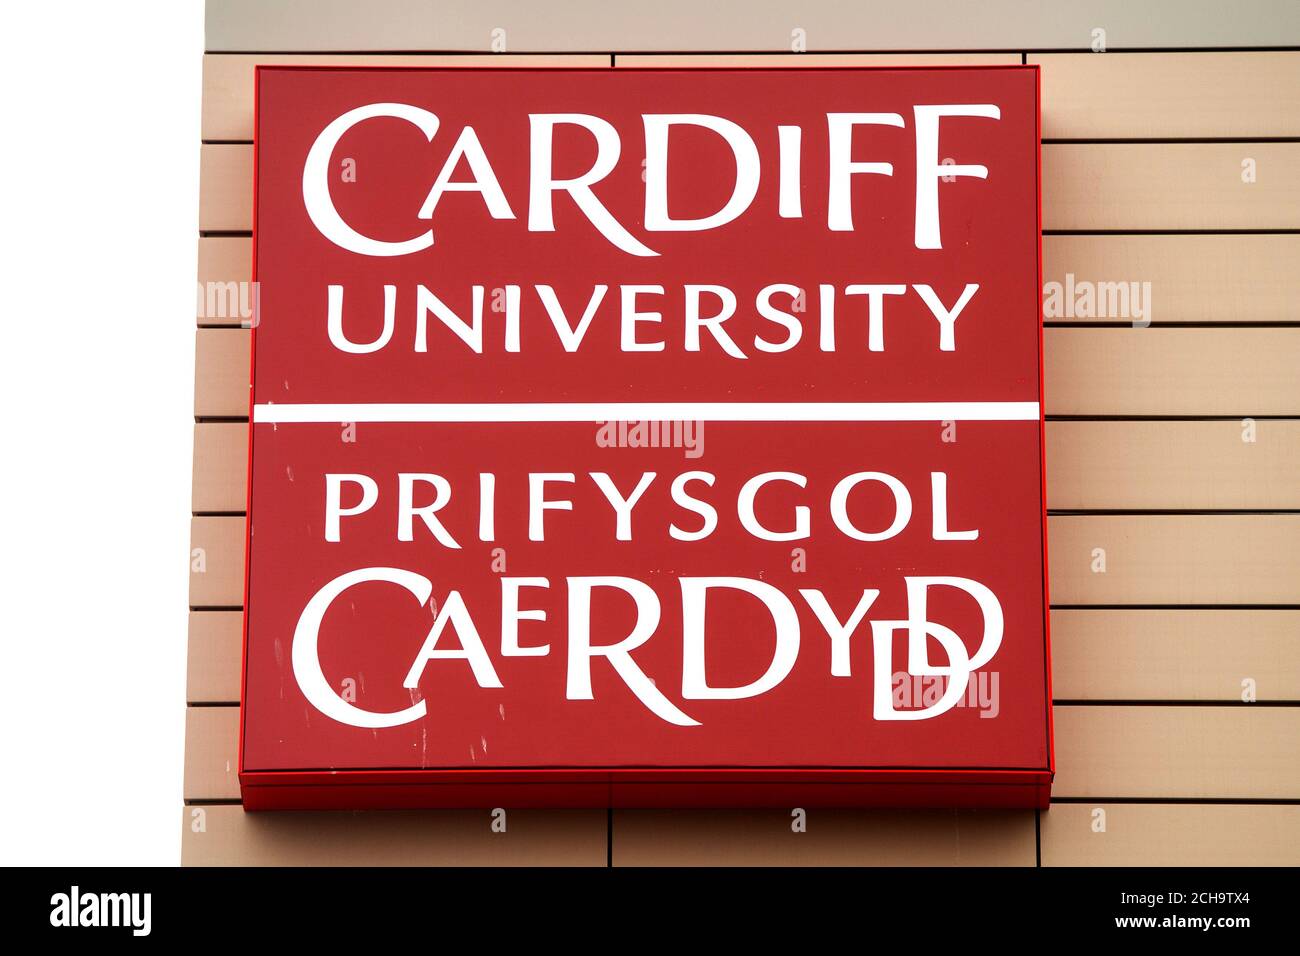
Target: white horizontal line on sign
x: 652, y: 411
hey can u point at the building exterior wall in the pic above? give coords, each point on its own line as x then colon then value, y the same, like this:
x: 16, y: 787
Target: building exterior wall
x: 1173, y: 438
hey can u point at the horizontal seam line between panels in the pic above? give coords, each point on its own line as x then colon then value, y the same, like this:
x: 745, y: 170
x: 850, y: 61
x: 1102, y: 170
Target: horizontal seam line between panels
x: 1161, y: 140
x: 1168, y: 418
x: 1182, y: 702
x: 1087, y: 51
x: 1181, y: 801
x: 1189, y: 801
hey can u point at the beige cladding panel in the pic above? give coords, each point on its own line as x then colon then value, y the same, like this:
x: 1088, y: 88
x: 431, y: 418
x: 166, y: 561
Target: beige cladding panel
x: 227, y: 836
x: 1221, y: 465
x: 216, y: 562
x: 224, y: 296
x: 1145, y: 834
x: 1087, y: 372
x: 1144, y: 186
x: 1174, y: 560
x: 1170, y: 95
x: 1173, y: 654
x: 228, y: 79
x: 212, y: 753
x: 1156, y: 372
x: 222, y: 362
x: 1098, y: 654
x: 225, y: 188
x: 830, y: 838
x: 1182, y: 186
x: 215, y: 657
x: 1108, y: 752
x: 1221, y: 752
x: 1212, y: 279
x: 220, y: 467
x: 1091, y: 465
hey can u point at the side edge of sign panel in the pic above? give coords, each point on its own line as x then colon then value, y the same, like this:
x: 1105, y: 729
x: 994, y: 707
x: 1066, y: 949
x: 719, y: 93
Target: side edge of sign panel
x: 646, y: 438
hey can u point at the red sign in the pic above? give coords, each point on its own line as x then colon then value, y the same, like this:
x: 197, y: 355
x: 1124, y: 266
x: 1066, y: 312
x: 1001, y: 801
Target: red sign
x: 646, y: 437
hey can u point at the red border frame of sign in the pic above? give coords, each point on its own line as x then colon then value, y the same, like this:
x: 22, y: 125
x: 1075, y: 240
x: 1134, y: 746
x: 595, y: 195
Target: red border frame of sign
x: 625, y: 787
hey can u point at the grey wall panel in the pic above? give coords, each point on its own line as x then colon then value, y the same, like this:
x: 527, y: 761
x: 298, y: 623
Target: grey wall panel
x: 741, y: 25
